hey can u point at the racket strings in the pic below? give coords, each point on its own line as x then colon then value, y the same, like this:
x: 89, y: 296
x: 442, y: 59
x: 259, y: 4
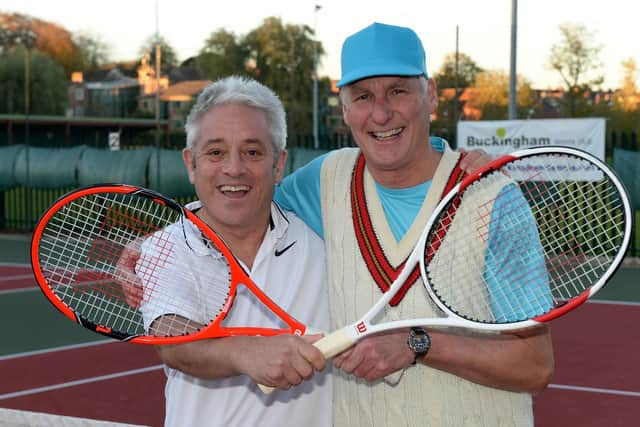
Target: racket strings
x: 511, y: 303
x: 527, y: 244
x: 72, y: 254
x: 586, y: 233
x: 83, y: 254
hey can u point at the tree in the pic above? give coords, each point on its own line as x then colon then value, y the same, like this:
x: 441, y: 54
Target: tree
x: 23, y: 41
x: 623, y: 113
x: 223, y: 54
x: 628, y: 98
x: 466, y: 75
x: 93, y: 51
x: 490, y: 95
x: 575, y: 58
x: 447, y: 79
x: 168, y: 56
x: 16, y: 31
x: 50, y: 39
x: 276, y: 54
x: 47, y: 84
x: 57, y: 42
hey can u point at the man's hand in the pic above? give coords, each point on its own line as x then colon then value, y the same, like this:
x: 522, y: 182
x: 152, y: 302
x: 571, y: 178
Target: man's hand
x: 283, y: 361
x: 473, y: 160
x: 125, y: 274
x: 280, y: 361
x: 377, y: 356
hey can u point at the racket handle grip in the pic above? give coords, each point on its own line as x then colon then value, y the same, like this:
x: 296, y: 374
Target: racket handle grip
x: 330, y: 345
x: 266, y: 389
x: 336, y: 342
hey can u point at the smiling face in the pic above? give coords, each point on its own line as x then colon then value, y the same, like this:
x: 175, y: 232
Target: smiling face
x: 234, y: 168
x: 389, y: 120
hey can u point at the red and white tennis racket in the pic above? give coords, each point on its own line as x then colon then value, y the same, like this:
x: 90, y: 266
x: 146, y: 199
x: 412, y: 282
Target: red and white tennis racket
x: 527, y: 238
x: 87, y: 244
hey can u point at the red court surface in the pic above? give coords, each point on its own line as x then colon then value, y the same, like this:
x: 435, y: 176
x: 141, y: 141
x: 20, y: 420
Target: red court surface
x: 596, y: 383
x: 15, y: 277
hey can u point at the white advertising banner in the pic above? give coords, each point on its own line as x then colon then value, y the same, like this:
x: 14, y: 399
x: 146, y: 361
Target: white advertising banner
x: 505, y: 136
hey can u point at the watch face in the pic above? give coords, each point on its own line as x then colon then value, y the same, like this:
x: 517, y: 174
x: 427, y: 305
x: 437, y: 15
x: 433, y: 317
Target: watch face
x: 419, y: 341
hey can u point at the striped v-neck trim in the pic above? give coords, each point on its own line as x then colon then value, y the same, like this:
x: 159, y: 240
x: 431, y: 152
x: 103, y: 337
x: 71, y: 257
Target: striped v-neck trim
x: 383, y: 255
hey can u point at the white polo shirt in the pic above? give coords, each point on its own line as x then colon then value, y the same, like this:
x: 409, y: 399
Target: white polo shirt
x: 290, y: 268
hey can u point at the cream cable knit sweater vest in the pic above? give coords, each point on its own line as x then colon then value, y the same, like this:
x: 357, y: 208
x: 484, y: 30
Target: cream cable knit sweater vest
x: 418, y: 396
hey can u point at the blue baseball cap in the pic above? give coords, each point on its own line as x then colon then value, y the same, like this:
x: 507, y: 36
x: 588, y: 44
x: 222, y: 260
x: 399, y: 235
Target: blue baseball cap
x: 382, y: 50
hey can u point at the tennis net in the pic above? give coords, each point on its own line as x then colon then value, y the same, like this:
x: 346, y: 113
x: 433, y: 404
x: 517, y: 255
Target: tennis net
x: 16, y: 418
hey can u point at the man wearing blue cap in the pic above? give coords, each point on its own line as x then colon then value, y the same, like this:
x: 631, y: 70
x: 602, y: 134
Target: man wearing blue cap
x: 460, y: 379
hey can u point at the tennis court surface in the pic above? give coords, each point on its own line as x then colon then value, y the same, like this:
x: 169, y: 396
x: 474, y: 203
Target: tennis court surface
x: 49, y: 366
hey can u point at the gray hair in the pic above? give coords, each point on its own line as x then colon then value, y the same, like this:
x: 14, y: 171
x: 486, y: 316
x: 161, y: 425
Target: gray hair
x: 424, y: 84
x: 240, y: 90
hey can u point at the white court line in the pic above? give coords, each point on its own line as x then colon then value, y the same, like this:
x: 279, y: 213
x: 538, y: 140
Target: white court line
x: 18, y: 290
x: 78, y: 382
x: 56, y: 349
x: 90, y: 380
x: 16, y: 277
x: 595, y: 390
x: 70, y: 383
x: 613, y: 302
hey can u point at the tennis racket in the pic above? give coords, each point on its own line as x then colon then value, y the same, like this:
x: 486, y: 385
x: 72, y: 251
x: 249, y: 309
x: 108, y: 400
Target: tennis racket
x: 525, y: 239
x: 84, y: 241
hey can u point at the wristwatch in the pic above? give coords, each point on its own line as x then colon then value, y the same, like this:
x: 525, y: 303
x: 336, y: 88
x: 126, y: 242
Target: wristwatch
x: 419, y: 342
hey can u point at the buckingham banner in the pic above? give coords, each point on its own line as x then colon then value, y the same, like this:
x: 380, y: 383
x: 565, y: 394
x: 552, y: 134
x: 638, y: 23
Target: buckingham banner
x: 505, y: 136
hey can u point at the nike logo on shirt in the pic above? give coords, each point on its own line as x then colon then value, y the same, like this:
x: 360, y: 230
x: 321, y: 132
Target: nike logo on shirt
x: 278, y: 253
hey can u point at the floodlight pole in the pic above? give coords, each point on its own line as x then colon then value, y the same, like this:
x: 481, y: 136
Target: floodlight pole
x: 513, y: 113
x: 157, y: 69
x: 157, y: 99
x: 316, y: 142
x: 27, y: 111
x: 28, y: 40
x: 456, y: 94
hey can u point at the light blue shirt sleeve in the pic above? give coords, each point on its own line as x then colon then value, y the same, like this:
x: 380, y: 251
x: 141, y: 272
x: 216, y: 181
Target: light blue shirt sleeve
x: 300, y: 192
x: 515, y: 268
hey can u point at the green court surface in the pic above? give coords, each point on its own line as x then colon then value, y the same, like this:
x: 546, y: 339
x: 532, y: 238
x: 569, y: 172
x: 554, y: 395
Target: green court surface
x: 624, y: 286
x: 14, y: 248
x: 31, y: 323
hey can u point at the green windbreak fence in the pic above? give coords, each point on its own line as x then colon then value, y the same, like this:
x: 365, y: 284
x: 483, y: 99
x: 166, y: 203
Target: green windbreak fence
x: 31, y: 178
x: 298, y: 157
x: 8, y: 157
x: 168, y: 175
x: 99, y: 166
x: 627, y: 166
x: 47, y: 168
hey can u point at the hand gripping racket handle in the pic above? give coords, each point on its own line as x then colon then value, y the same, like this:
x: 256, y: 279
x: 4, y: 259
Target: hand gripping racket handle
x: 336, y: 342
x: 266, y: 389
x: 329, y: 346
